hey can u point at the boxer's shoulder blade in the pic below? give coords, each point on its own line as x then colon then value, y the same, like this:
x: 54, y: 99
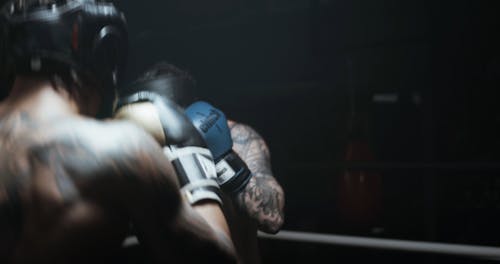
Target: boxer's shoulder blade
x: 48, y: 193
x: 85, y: 157
x: 97, y: 149
x: 94, y: 158
x: 127, y: 161
x: 84, y: 162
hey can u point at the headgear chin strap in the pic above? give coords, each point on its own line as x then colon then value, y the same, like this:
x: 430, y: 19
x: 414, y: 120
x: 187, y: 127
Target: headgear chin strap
x: 85, y: 37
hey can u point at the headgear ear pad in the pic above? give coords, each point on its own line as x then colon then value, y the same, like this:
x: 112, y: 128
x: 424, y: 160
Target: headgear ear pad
x: 81, y: 36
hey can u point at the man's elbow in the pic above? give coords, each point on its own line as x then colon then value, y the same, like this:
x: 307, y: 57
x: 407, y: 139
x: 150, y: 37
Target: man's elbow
x: 273, y: 222
x: 272, y: 226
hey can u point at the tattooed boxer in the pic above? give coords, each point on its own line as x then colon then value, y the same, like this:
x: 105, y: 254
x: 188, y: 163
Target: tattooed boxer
x: 71, y: 185
x: 254, y: 199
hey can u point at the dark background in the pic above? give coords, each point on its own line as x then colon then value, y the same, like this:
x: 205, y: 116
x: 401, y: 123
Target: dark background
x: 311, y: 76
x: 381, y: 116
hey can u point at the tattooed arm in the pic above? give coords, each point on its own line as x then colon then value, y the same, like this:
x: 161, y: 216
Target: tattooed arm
x: 263, y: 198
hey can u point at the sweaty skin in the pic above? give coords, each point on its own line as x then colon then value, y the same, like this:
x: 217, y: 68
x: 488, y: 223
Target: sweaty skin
x: 70, y: 186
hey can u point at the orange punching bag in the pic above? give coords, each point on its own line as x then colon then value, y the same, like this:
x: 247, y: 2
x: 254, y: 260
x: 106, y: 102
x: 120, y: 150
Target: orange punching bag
x: 358, y: 189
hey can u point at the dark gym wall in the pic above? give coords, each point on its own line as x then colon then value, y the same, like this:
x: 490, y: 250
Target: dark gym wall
x: 421, y: 78
x: 409, y: 87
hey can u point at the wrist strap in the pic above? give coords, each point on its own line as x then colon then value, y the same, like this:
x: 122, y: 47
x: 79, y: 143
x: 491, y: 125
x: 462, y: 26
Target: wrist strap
x: 196, y: 173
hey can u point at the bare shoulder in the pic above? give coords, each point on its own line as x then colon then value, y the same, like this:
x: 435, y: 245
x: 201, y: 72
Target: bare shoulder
x: 81, y: 147
x: 87, y: 140
x: 110, y: 136
x: 111, y: 139
x: 128, y: 145
x: 242, y: 133
x: 106, y: 153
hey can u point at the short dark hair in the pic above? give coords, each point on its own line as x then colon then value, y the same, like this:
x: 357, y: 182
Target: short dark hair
x: 178, y: 84
x: 165, y: 69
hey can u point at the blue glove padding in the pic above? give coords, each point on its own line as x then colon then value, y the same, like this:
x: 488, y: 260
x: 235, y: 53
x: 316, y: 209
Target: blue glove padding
x: 232, y: 172
x: 212, y: 124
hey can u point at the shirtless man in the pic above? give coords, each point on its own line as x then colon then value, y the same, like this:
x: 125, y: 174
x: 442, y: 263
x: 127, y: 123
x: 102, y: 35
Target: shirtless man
x: 70, y: 185
x: 260, y: 204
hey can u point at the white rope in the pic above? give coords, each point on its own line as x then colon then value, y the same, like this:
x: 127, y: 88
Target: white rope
x: 130, y: 241
x: 484, y: 252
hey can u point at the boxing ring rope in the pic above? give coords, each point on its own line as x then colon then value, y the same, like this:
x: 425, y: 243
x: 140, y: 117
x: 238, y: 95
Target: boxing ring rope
x: 384, y: 166
x: 478, y: 252
x: 482, y: 252
x: 462, y: 250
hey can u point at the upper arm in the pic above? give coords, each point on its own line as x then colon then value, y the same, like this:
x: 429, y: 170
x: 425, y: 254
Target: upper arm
x: 166, y: 223
x: 252, y: 148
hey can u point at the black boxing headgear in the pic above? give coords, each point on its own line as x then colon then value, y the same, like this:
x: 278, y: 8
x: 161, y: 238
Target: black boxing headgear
x: 86, y: 38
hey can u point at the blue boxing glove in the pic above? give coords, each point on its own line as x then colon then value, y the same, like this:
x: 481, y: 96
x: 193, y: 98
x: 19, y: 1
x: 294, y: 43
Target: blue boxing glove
x: 232, y: 172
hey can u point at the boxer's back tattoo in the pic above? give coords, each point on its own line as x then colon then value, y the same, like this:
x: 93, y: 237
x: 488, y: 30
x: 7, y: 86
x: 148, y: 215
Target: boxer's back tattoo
x: 46, y: 168
x: 263, y: 197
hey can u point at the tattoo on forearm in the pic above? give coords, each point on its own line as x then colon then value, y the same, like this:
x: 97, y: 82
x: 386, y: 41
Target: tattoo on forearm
x: 263, y: 198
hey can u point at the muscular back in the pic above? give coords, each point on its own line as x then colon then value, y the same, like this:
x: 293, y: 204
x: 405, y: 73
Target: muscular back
x: 69, y: 186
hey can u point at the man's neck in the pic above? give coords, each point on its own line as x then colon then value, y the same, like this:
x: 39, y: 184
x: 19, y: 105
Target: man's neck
x: 40, y: 97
